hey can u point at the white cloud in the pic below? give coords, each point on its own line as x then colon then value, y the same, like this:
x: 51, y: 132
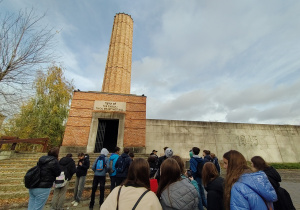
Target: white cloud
x: 235, y: 61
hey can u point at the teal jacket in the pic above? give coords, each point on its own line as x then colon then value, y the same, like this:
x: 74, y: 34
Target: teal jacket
x: 114, y: 157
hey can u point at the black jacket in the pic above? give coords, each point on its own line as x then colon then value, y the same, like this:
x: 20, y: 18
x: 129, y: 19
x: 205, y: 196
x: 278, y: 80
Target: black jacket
x: 49, y: 171
x: 215, y: 190
x: 67, y: 165
x: 273, y: 176
x: 207, y: 158
x: 127, y: 163
x: 284, y: 201
x: 82, y: 170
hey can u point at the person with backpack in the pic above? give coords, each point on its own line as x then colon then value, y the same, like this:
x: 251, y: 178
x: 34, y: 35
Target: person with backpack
x: 216, y: 162
x: 206, y: 156
x: 68, y: 168
x: 135, y: 192
x: 100, y: 168
x: 196, y: 165
x: 122, y: 166
x: 112, y: 169
x: 284, y: 199
x: 49, y: 170
x: 81, y: 171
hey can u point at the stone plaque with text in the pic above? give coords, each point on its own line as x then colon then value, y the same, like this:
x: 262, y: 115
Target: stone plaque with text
x: 110, y: 106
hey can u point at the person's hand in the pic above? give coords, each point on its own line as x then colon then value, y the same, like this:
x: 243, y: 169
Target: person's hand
x: 191, y: 178
x: 80, y: 163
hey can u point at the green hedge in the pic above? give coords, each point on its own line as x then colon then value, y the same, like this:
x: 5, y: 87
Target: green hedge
x: 285, y: 165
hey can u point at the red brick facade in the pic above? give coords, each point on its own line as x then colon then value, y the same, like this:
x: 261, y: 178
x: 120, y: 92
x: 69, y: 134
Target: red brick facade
x: 82, y: 109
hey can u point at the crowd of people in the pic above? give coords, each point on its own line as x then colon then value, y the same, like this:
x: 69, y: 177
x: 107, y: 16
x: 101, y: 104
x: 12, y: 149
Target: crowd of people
x: 164, y: 182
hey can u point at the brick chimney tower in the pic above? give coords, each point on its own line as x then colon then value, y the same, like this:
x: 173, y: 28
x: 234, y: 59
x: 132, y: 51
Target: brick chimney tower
x: 117, y: 77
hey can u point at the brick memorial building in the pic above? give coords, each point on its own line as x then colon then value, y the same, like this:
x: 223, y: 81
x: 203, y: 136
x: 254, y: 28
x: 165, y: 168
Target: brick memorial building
x: 112, y: 117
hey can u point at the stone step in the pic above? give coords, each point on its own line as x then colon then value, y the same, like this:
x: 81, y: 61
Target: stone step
x: 25, y: 194
x: 20, y: 186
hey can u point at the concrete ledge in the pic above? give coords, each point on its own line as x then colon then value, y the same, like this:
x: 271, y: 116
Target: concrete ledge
x: 141, y: 150
x: 72, y: 149
x: 6, y: 154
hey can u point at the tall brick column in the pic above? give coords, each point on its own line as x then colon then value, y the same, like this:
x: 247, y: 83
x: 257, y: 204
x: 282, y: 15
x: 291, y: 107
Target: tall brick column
x: 117, y: 77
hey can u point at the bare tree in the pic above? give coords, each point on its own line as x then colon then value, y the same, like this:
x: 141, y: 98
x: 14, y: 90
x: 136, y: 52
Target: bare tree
x: 24, y: 46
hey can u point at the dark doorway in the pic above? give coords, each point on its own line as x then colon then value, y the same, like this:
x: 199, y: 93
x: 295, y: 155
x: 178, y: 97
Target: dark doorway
x: 107, y: 135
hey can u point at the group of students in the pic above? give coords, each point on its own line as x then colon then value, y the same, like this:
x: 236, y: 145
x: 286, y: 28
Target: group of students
x: 244, y: 187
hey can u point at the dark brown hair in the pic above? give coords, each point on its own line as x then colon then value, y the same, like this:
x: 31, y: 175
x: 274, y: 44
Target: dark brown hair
x: 207, y: 152
x: 126, y: 150
x: 117, y: 149
x: 69, y: 155
x: 212, y: 155
x: 180, y: 163
x: 165, y: 148
x: 259, y: 163
x: 80, y: 154
x: 209, y: 173
x: 236, y: 167
x: 138, y: 173
x: 196, y: 150
x: 169, y: 173
x: 54, y: 152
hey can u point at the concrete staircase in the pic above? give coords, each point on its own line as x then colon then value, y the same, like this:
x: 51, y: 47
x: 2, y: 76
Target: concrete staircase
x: 13, y: 193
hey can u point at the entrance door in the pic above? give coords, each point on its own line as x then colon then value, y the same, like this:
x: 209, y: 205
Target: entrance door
x: 107, y: 135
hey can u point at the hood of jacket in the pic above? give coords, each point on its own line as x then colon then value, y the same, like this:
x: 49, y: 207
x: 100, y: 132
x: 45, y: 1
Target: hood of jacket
x: 65, y: 161
x: 260, y: 184
x: 46, y: 159
x: 208, y: 158
x: 124, y: 155
x: 114, y: 156
x: 87, y: 156
x: 180, y: 195
x: 272, y: 173
x: 198, y: 159
x: 104, y: 152
x: 216, y: 185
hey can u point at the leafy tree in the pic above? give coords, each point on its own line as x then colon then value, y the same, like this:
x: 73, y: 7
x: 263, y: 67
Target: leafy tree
x: 44, y: 115
x: 25, y: 44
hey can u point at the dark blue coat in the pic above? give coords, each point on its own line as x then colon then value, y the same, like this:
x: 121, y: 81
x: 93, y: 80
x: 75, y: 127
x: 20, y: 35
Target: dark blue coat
x: 127, y: 164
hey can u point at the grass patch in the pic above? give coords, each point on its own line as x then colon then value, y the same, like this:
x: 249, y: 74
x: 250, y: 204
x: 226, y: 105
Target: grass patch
x: 285, y: 165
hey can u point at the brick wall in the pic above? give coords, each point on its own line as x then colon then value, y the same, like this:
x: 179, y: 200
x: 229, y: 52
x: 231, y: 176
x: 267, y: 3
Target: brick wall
x: 82, y: 108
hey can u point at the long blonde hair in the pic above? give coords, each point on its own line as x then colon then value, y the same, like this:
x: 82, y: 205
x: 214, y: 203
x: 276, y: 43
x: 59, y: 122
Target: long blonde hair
x: 236, y: 167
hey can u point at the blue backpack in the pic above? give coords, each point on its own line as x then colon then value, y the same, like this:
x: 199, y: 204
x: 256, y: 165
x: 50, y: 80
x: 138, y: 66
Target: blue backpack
x: 100, y: 163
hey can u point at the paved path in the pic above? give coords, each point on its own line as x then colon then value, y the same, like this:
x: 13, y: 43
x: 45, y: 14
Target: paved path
x: 294, y: 190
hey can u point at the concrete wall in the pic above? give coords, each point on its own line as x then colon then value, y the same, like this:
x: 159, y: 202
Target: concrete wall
x: 275, y: 143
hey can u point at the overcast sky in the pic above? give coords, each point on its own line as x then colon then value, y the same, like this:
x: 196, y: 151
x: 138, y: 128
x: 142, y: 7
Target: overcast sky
x: 225, y: 61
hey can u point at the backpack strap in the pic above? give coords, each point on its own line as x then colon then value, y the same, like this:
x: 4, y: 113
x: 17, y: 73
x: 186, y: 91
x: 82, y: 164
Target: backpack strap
x: 140, y: 198
x: 118, y: 198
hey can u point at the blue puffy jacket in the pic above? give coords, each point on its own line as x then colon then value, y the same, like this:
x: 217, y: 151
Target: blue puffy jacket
x: 250, y: 190
x: 114, y: 157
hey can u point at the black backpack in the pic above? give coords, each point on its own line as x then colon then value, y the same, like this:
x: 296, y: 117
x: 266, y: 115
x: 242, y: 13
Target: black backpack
x: 32, y: 177
x: 199, y: 168
x: 121, y: 164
